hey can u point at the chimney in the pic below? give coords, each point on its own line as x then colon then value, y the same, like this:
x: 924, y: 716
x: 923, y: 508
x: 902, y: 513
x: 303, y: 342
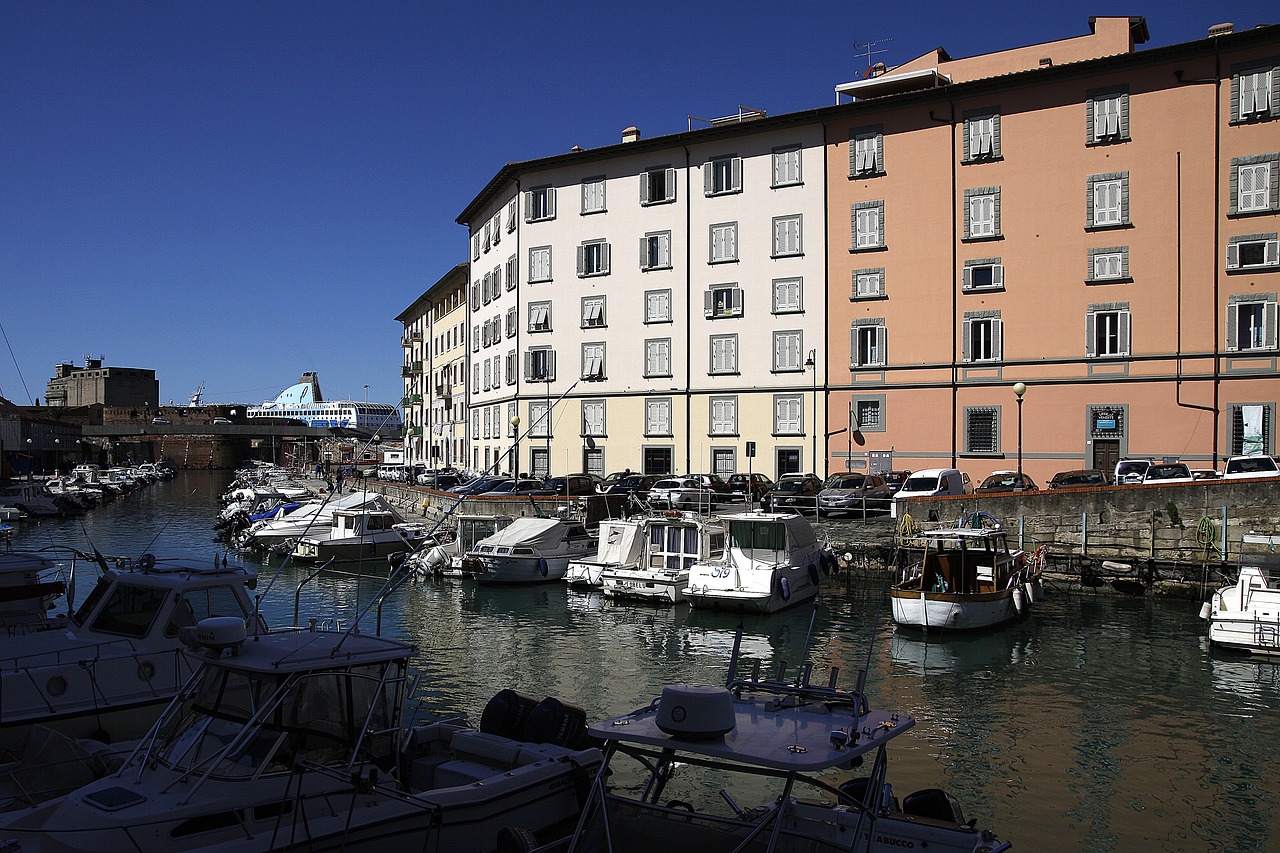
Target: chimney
x: 1222, y: 29
x: 631, y: 134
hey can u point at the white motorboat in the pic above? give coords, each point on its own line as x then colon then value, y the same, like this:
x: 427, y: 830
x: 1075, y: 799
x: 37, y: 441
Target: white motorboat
x: 653, y: 554
x: 736, y: 768
x: 30, y: 498
x: 119, y: 659
x: 359, y: 534
x: 1246, y: 615
x: 307, y: 518
x: 451, y: 539
x: 771, y: 561
x: 528, y: 550
x: 296, y: 740
x: 966, y: 580
x: 30, y: 586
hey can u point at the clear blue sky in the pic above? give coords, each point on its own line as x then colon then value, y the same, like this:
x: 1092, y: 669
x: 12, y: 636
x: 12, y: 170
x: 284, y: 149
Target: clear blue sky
x: 235, y: 192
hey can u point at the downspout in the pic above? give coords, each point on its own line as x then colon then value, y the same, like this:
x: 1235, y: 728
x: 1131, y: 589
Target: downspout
x: 1178, y: 347
x: 955, y: 259
x: 826, y: 325
x: 688, y: 320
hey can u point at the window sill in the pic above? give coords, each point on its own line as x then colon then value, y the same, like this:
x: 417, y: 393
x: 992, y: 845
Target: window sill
x: 1245, y: 214
x: 717, y: 193
x: 657, y: 375
x: 982, y: 362
x: 787, y: 434
x: 1252, y: 269
x: 1256, y: 118
x: 858, y: 250
x: 986, y: 238
x: 869, y: 366
x: 978, y: 161
x: 593, y: 212
x: 992, y: 289
x: 599, y: 326
x: 654, y: 202
x: 775, y: 256
x: 539, y: 331
x: 1120, y: 279
x: 734, y: 434
x: 593, y: 274
x: 868, y: 297
x: 541, y: 219
x: 788, y: 184
x: 659, y: 435
x: 784, y: 370
x: 858, y: 176
x: 715, y: 261
x: 1103, y: 141
x: 657, y: 322
x: 781, y: 311
x: 722, y: 316
x: 540, y: 281
x: 652, y: 269
x: 981, y: 454
x: 1115, y: 226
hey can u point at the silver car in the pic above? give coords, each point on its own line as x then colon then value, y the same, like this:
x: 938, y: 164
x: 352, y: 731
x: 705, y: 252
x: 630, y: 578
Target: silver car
x: 853, y: 492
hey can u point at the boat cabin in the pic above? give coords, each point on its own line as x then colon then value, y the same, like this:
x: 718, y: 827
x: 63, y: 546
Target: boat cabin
x: 965, y: 561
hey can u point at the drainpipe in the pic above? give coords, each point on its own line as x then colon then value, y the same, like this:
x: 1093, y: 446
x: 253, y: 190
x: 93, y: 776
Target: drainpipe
x: 955, y: 237
x: 688, y: 320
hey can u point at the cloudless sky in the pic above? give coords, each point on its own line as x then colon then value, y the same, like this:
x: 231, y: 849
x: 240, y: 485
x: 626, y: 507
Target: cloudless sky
x: 232, y: 193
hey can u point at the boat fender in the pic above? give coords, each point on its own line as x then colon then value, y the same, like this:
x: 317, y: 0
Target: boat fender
x: 829, y: 564
x: 784, y: 588
x: 542, y: 566
x: 516, y: 839
x: 1020, y: 600
x: 1206, y: 610
x: 813, y: 574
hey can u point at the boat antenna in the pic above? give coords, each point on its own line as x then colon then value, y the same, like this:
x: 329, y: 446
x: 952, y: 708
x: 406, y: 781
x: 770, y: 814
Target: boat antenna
x: 802, y: 671
x: 733, y: 656
x: 173, y: 516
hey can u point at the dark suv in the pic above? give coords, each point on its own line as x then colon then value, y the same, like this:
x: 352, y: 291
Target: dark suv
x: 635, y: 484
x: 750, y: 486
x: 570, y: 485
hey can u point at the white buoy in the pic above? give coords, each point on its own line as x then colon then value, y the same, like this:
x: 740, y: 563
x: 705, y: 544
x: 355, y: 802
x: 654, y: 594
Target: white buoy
x: 1020, y: 600
x: 1205, y: 610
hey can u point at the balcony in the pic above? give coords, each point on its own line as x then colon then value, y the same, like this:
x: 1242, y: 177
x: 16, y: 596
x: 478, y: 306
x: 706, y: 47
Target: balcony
x: 406, y: 370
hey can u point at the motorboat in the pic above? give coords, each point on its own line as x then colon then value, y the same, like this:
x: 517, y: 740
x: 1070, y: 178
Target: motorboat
x: 705, y: 769
x: 654, y: 553
x: 296, y: 740
x: 30, y: 586
x: 528, y: 550
x: 966, y: 579
x: 359, y: 534
x: 772, y: 560
x: 282, y: 530
x: 31, y: 498
x: 1245, y: 616
x: 450, y: 541
x: 119, y: 659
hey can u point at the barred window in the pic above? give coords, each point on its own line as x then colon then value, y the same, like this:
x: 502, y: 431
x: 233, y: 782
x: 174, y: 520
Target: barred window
x: 981, y: 430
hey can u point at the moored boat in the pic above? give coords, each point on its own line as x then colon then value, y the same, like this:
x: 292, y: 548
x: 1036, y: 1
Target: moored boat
x: 529, y: 550
x: 654, y: 554
x: 1245, y: 616
x: 359, y: 535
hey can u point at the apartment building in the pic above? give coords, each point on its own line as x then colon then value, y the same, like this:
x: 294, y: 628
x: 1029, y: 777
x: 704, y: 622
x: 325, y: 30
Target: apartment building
x: 863, y: 285
x: 434, y: 370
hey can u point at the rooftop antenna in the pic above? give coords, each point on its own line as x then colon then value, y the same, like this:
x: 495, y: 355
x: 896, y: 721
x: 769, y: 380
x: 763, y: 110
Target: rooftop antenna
x: 866, y: 48
x: 197, y: 399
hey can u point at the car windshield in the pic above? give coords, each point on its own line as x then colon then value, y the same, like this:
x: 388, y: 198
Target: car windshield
x: 1167, y: 472
x: 1251, y: 465
x: 1131, y: 468
x: 1000, y: 479
x: 791, y: 485
x: 920, y: 484
x: 853, y: 481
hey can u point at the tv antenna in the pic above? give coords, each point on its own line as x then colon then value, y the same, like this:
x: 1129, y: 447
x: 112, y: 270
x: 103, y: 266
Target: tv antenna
x: 867, y: 49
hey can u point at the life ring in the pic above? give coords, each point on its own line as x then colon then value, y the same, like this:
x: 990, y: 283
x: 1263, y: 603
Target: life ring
x: 784, y: 588
x: 147, y: 562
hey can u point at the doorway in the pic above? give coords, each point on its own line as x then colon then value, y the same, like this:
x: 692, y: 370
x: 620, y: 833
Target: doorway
x: 1106, y: 453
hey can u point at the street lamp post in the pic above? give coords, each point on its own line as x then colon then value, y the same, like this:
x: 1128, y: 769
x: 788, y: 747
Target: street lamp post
x: 812, y: 363
x: 515, y: 447
x: 1019, y: 389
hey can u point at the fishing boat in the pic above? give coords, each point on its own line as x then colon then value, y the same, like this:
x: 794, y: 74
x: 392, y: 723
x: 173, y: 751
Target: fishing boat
x: 529, y: 550
x: 771, y: 561
x: 450, y: 541
x: 359, y: 534
x: 118, y: 659
x: 651, y: 556
x: 296, y: 740
x: 1245, y: 616
x: 705, y: 769
x: 966, y: 580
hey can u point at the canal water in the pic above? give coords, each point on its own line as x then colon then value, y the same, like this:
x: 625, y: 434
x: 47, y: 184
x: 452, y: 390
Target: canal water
x: 1102, y: 723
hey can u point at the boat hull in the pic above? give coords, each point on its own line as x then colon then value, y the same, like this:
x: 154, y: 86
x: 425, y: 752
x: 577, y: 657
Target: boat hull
x: 940, y: 611
x: 520, y: 570
x: 1246, y: 617
x: 660, y: 588
x: 772, y: 591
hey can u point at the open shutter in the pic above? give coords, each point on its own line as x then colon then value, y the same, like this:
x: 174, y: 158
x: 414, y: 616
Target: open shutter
x: 997, y: 339
x: 997, y: 275
x: 670, y: 188
x: 551, y: 202
x: 551, y: 364
x: 735, y: 171
x: 605, y: 257
x: 644, y: 188
x: 1090, y: 331
x: 708, y: 177
x: 1233, y: 256
x: 1123, y: 320
x: 644, y: 253
x: 882, y: 352
x: 1233, y: 324
x: 1271, y: 253
x: 1269, y: 325
x: 735, y: 301
x: 528, y: 365
x: 966, y: 279
x: 582, y: 259
x: 966, y: 341
x: 708, y: 303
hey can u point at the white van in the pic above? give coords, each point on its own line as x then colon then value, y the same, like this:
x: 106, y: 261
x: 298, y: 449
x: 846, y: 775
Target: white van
x: 932, y: 482
x: 1130, y: 471
x: 1248, y: 467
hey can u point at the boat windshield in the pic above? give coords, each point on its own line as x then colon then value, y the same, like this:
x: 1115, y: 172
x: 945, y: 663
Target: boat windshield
x: 129, y: 610
x: 757, y: 535
x: 314, y: 717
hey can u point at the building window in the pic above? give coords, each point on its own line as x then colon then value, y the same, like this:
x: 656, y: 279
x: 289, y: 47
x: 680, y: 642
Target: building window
x: 657, y: 186
x: 724, y: 416
x: 540, y: 264
x: 657, y: 357
x: 540, y: 364
x: 593, y: 418
x: 511, y: 322
x: 1253, y: 251
x: 868, y: 284
x: 1106, y: 117
x: 867, y: 343
x: 513, y: 268
x: 788, y: 295
x: 475, y: 246
x: 540, y: 204
x: 982, y: 213
x: 656, y: 461
x: 539, y: 316
x: 786, y: 166
x: 593, y: 361
x: 787, y: 412
x: 485, y: 287
x: 868, y: 415
x: 868, y: 225
x: 723, y: 301
x: 981, y: 336
x: 723, y: 175
x: 1107, y: 202
x: 655, y: 251
x: 724, y: 464
x: 1253, y: 90
x: 593, y: 461
x: 593, y: 195
x: 866, y: 151
x: 1107, y: 330
x: 787, y: 347
x: 657, y: 416
x: 475, y: 339
x: 593, y: 258
x: 1108, y: 264
x: 1251, y: 322
x: 1251, y: 427
x: 593, y: 316
x: 981, y: 429
x: 724, y: 242
x: 539, y: 422
x: 1255, y: 183
x: 511, y: 367
x: 786, y: 236
x: 982, y: 274
x: 724, y: 354
x: 657, y: 306
x: 981, y: 136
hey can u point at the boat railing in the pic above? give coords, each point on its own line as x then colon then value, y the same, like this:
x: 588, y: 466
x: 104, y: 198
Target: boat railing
x: 297, y: 593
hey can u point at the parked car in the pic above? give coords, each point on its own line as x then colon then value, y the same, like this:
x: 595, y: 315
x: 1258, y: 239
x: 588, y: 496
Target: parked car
x: 798, y: 492
x: 570, y: 485
x: 439, y: 480
x: 715, y: 483
x: 1248, y: 467
x: 750, y: 486
x: 932, y: 482
x: 607, y: 482
x: 634, y: 484
x: 854, y: 492
x: 478, y: 486
x: 1168, y: 472
x: 161, y: 421
x: 1006, y: 481
x: 685, y: 493
x: 514, y: 488
x: 1129, y: 471
x: 1082, y: 478
x: 1206, y: 474
x: 221, y: 421
x: 895, y: 479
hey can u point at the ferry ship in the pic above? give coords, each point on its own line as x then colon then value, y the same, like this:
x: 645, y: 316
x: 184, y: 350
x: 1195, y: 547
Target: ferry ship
x: 305, y: 403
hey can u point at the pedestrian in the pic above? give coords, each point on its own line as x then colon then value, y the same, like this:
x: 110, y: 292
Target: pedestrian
x: 340, y: 478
